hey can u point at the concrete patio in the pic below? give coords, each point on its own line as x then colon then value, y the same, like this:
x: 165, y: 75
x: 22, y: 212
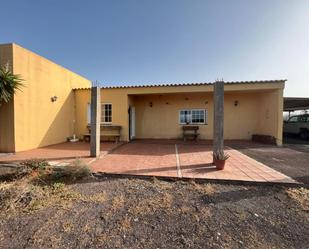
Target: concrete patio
x: 165, y: 158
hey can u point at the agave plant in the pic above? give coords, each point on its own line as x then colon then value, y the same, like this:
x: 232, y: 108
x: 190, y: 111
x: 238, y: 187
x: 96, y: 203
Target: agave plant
x: 221, y: 155
x: 9, y: 83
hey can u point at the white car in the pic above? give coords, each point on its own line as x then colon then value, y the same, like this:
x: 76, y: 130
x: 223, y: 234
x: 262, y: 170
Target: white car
x: 297, y: 125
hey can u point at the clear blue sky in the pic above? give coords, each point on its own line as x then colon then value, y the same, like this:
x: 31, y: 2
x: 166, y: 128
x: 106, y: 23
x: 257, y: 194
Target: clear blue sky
x: 139, y: 42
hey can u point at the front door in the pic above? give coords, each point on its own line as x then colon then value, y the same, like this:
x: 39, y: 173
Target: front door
x: 132, y: 122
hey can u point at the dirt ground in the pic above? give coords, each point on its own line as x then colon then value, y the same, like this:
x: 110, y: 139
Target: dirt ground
x: 111, y: 212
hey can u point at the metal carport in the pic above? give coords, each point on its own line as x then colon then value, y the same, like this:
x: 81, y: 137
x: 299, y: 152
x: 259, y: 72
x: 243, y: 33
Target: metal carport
x: 295, y: 104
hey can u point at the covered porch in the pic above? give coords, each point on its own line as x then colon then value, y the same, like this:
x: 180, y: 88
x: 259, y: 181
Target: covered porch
x: 163, y: 116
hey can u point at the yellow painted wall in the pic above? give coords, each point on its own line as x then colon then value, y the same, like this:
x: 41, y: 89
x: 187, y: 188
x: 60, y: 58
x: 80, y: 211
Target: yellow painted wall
x: 6, y: 109
x: 119, y: 100
x: 82, y: 98
x: 161, y: 120
x: 271, y: 114
x: 32, y: 120
x: 38, y: 120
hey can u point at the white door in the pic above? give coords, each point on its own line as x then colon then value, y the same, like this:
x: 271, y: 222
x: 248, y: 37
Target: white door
x: 132, y: 122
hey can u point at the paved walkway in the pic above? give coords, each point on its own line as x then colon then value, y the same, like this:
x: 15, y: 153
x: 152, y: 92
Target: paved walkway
x: 290, y: 159
x: 62, y: 153
x: 190, y: 160
x: 169, y: 158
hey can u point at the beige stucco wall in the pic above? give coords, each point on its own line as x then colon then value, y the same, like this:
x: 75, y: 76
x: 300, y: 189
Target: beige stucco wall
x: 161, y: 120
x: 6, y: 109
x: 39, y: 121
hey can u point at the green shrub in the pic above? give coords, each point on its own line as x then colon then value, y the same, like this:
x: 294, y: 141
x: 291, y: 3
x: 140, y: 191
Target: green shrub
x: 57, y: 187
x: 221, y: 155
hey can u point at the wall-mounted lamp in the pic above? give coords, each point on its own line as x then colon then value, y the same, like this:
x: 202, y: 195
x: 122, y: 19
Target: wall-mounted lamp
x: 150, y: 104
x: 236, y: 103
x: 53, y: 98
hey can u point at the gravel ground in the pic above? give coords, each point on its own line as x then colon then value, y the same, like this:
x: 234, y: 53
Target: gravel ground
x: 113, y: 212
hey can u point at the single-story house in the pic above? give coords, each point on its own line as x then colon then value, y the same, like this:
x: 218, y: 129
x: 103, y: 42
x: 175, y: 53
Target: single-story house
x: 55, y: 104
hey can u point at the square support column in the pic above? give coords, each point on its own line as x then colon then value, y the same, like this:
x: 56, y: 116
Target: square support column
x: 218, y: 140
x: 95, y: 122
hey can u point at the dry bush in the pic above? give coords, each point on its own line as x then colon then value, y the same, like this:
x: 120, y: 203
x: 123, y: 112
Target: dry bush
x: 203, y: 188
x: 67, y: 227
x: 185, y: 210
x: 24, y: 196
x: 241, y: 215
x: 36, y: 164
x: 102, y: 238
x: 125, y: 225
x: 11, y: 172
x: 42, y: 172
x: 77, y: 170
x: 300, y: 196
x: 45, y: 188
x: 161, y: 184
x: 150, y: 205
x: 97, y: 198
x: 117, y: 202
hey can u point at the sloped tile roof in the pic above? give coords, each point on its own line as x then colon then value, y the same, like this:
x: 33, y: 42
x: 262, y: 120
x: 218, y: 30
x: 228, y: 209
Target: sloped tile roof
x: 190, y: 84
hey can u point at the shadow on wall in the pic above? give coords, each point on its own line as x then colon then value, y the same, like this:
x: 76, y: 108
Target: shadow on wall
x: 7, y: 127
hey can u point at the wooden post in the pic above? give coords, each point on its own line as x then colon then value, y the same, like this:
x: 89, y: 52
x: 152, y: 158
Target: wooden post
x: 95, y: 122
x: 218, y: 140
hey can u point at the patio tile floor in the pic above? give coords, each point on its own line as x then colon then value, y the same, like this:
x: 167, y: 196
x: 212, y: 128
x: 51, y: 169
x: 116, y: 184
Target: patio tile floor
x: 195, y: 161
x: 158, y: 159
x: 139, y: 159
x: 59, y: 153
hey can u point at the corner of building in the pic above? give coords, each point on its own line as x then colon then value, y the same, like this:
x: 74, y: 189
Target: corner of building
x: 7, y: 130
x: 44, y: 112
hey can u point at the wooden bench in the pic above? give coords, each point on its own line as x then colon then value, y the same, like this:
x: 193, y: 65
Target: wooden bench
x: 190, y: 132
x: 106, y: 131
